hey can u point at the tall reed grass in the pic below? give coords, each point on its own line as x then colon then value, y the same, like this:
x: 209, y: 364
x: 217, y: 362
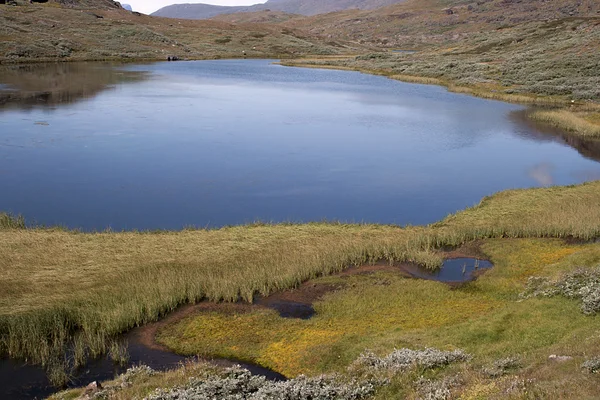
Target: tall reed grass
x: 9, y: 221
x: 568, y: 121
x: 67, y: 290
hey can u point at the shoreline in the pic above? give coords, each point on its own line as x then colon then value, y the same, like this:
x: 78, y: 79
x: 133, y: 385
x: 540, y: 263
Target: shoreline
x: 558, y: 114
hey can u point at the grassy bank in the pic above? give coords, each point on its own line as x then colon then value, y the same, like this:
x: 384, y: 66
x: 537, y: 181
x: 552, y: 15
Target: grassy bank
x: 510, y: 339
x: 61, y: 286
x: 383, y: 311
x: 583, y: 123
x: 581, y: 118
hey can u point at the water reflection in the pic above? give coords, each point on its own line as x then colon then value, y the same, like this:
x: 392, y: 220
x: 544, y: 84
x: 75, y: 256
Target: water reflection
x: 540, y: 132
x: 542, y: 173
x: 228, y: 142
x: 48, y: 85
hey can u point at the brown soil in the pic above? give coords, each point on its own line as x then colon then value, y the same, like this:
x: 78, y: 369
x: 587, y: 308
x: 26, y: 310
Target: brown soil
x: 468, y: 250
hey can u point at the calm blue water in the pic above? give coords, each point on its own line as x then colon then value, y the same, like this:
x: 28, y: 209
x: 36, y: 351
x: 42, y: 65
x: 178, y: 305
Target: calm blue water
x: 453, y: 270
x: 214, y: 143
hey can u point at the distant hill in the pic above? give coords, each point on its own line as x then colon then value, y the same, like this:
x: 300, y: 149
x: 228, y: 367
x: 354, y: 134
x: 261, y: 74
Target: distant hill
x: 304, y: 7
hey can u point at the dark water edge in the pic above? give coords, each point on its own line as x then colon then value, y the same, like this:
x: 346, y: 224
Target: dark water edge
x: 453, y: 271
x: 19, y: 381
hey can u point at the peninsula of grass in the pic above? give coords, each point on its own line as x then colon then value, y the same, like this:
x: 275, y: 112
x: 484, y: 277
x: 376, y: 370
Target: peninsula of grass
x: 519, y: 347
x: 509, y: 338
x: 64, y: 288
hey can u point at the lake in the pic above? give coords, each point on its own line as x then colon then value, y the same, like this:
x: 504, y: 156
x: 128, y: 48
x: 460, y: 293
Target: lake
x: 214, y: 143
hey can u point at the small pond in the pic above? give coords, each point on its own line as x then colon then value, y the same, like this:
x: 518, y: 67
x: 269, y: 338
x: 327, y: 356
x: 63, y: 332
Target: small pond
x: 453, y: 271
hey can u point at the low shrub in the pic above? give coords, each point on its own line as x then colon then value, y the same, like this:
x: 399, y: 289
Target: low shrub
x: 583, y: 284
x: 502, y: 367
x: 237, y: 383
x: 436, y: 389
x: 404, y: 359
x: 592, y: 365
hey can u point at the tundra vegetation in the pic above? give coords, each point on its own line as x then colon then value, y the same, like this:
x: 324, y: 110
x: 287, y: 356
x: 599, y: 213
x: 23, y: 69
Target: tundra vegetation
x: 66, y: 288
x: 67, y: 295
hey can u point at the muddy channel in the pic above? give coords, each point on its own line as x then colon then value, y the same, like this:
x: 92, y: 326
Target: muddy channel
x: 20, y: 381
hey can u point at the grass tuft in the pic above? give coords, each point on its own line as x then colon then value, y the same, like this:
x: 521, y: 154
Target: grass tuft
x: 9, y: 221
x: 568, y: 121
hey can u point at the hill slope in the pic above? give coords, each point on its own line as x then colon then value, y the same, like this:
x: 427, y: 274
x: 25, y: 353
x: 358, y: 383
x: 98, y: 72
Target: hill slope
x: 418, y: 23
x: 100, y: 30
x: 304, y: 7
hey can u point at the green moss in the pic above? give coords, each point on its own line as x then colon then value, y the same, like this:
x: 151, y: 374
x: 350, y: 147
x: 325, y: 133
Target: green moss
x: 383, y: 311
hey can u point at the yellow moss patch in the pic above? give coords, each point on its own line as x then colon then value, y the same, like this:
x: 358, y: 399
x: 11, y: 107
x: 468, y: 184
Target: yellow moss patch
x: 368, y: 307
x: 518, y: 260
x: 298, y: 354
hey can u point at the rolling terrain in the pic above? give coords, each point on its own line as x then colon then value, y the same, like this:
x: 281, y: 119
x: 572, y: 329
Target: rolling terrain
x: 520, y: 331
x: 100, y: 30
x: 302, y: 7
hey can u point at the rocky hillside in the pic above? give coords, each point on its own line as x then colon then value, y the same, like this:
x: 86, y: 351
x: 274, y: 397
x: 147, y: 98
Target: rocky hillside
x: 68, y: 30
x: 416, y: 24
x: 303, y: 7
x: 97, y: 4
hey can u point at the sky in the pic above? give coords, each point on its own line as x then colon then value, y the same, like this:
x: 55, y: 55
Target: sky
x: 149, y: 6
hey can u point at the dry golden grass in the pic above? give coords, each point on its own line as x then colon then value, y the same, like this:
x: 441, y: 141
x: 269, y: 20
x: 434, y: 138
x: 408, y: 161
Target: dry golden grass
x: 570, y: 121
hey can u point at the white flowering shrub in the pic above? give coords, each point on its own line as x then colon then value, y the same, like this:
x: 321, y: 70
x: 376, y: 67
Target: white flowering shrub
x: 403, y: 359
x: 583, y: 284
x: 239, y: 384
x: 502, y: 367
x: 592, y: 365
x: 135, y: 372
x: 436, y: 390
